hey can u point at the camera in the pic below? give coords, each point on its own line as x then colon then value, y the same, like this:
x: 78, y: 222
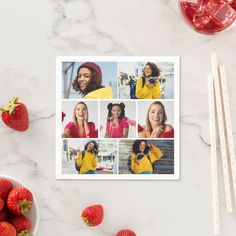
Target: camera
x: 152, y: 80
x: 140, y: 156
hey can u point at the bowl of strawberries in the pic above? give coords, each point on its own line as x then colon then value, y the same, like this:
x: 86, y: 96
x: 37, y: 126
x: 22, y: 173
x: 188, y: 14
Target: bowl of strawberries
x: 19, y: 211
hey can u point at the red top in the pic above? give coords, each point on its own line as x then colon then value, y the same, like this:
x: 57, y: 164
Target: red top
x: 115, y: 129
x: 168, y: 134
x: 74, y: 130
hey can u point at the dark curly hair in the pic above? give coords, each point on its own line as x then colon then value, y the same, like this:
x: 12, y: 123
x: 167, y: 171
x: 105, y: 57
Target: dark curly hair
x: 155, y: 70
x: 95, y: 149
x: 135, y: 146
x: 120, y: 105
x: 93, y: 84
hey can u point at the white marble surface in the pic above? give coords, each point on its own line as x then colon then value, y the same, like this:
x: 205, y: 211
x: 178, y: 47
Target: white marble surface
x: 32, y: 34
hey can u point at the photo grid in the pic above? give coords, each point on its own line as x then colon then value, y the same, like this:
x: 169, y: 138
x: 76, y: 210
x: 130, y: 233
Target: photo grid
x: 117, y: 118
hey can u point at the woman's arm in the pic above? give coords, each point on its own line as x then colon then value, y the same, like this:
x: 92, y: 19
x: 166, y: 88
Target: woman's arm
x: 141, y: 91
x: 94, y: 162
x: 157, y: 90
x: 156, y: 133
x: 107, y: 131
x: 66, y: 133
x: 79, y: 159
x: 133, y: 160
x: 86, y: 128
x: 141, y: 134
x: 155, y: 153
x: 125, y: 132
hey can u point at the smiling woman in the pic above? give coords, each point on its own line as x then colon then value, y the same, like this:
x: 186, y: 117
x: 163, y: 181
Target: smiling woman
x: 148, y: 85
x: 80, y: 127
x: 155, y: 123
x: 88, y: 82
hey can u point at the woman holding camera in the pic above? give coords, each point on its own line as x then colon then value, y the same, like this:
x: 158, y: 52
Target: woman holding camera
x: 87, y: 160
x: 148, y: 86
x: 144, y: 154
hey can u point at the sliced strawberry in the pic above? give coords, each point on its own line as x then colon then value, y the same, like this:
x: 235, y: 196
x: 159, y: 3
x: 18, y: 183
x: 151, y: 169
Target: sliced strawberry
x: 20, y: 201
x: 7, y: 229
x: 126, y: 232
x: 93, y: 215
x: 15, y: 115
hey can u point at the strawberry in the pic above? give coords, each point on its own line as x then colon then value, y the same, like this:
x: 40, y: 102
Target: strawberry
x: 93, y: 215
x: 5, y: 188
x: 15, y: 115
x: 3, y: 214
x: 22, y: 225
x: 126, y: 232
x: 20, y: 201
x: 7, y: 229
x: 1, y: 204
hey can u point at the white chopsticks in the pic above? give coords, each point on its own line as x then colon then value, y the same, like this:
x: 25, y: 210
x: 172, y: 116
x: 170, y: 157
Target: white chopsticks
x: 215, y: 191
x: 219, y: 106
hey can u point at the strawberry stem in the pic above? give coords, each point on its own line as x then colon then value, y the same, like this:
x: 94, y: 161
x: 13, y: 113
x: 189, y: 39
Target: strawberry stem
x: 25, y: 206
x: 11, y: 106
x: 86, y: 221
x: 24, y: 233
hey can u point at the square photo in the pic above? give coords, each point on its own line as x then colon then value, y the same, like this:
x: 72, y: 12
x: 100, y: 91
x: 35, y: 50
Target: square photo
x: 79, y: 119
x: 89, y: 157
x: 89, y: 80
x: 118, y: 119
x: 146, y: 157
x: 156, y: 119
x: 147, y: 79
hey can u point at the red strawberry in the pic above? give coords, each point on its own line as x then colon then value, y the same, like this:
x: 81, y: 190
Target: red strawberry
x: 7, y: 229
x: 15, y: 115
x: 20, y: 201
x: 22, y: 224
x: 3, y: 214
x: 126, y: 232
x: 93, y: 215
x: 5, y: 188
x: 1, y: 204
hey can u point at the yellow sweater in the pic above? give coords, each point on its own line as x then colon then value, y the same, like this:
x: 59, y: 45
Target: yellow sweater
x: 89, y: 162
x: 144, y: 164
x: 102, y: 93
x: 143, y: 92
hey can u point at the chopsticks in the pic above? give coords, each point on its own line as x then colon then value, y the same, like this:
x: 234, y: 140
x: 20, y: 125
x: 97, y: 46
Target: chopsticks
x: 228, y: 128
x: 214, y: 172
x: 219, y: 111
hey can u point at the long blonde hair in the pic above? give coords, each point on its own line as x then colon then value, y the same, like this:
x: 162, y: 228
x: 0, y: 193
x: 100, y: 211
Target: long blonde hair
x: 74, y: 115
x: 148, y: 124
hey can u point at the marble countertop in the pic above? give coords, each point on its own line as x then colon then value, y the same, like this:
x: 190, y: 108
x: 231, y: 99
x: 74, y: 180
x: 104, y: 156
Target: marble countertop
x: 33, y: 33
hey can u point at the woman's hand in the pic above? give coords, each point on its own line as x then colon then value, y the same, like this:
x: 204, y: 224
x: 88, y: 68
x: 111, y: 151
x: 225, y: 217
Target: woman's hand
x: 157, y: 131
x: 136, y: 160
x: 148, y: 84
x: 86, y: 116
x: 66, y: 133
